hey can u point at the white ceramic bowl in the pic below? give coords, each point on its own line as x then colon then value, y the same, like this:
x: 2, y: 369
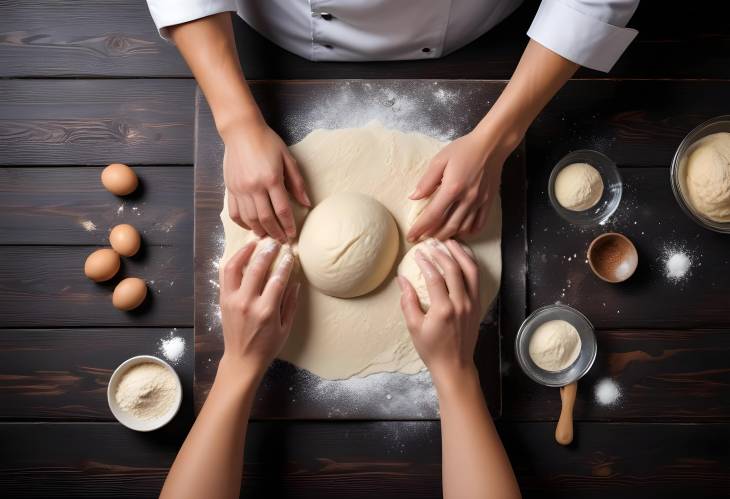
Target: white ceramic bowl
x: 128, y: 419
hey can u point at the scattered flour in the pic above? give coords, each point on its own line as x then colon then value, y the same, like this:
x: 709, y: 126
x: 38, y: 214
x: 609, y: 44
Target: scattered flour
x: 172, y: 347
x: 405, y: 106
x: 387, y: 393
x: 677, y: 262
x: 88, y: 225
x: 607, y: 392
x: 677, y: 265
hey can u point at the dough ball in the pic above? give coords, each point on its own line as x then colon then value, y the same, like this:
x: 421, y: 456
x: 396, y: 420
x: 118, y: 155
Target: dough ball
x: 129, y: 293
x: 102, y: 265
x: 708, y: 177
x: 348, y: 245
x: 578, y: 187
x: 125, y: 240
x: 409, y: 268
x: 119, y: 179
x: 554, y: 345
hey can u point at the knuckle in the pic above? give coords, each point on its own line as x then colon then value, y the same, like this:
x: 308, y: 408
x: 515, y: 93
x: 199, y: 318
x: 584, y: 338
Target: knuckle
x: 284, y: 212
x: 269, y: 179
x: 266, y: 311
x: 454, y: 188
x: 445, y: 312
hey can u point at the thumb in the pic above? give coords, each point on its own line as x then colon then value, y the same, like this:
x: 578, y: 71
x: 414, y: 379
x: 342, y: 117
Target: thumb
x: 410, y: 305
x: 295, y: 181
x: 431, y: 179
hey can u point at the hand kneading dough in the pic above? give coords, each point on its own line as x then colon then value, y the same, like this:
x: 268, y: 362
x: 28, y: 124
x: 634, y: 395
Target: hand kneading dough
x: 409, y: 268
x: 348, y: 244
x: 335, y: 338
x: 578, y: 187
x: 708, y: 177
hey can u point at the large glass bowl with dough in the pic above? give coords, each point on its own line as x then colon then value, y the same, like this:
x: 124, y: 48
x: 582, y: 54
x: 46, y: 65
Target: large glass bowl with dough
x: 700, y: 174
x: 342, y: 337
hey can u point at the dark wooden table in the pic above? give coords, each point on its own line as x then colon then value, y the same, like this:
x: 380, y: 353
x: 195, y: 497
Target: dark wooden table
x: 89, y: 82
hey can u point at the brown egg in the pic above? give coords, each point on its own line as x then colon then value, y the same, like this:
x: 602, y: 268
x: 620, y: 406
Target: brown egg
x: 129, y: 293
x: 102, y: 265
x: 119, y: 179
x: 125, y: 239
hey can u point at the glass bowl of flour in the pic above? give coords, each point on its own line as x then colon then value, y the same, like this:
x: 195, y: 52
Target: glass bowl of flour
x: 585, y: 187
x: 700, y: 174
x: 144, y: 393
x: 555, y: 345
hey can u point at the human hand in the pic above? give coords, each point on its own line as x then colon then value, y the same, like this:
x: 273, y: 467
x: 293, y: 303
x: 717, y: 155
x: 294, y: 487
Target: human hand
x: 256, y: 312
x: 445, y: 337
x: 462, y: 179
x: 258, y: 170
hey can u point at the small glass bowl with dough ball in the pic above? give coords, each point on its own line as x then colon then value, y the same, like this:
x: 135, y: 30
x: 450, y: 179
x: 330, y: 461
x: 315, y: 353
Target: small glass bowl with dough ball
x: 700, y: 174
x: 585, y: 188
x: 555, y: 345
x: 144, y: 393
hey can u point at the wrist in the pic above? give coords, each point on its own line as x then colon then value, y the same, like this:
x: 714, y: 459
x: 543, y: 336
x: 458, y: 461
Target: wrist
x: 239, y: 373
x: 238, y: 123
x: 500, y: 135
x: 450, y: 379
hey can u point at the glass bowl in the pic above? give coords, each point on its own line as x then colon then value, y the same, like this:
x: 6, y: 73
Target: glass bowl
x: 577, y: 369
x: 676, y: 173
x: 612, y: 188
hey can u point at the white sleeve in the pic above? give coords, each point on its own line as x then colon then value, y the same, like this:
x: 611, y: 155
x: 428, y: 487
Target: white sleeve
x: 171, y: 12
x: 591, y: 33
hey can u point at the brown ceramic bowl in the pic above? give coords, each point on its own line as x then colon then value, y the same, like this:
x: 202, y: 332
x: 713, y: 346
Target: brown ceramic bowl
x: 612, y: 257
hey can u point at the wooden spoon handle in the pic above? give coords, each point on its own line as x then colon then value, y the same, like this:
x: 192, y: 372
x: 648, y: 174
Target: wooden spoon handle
x: 564, y: 430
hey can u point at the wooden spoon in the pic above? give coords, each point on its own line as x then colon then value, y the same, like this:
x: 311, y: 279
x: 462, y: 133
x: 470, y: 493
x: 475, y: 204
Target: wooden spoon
x: 564, y: 430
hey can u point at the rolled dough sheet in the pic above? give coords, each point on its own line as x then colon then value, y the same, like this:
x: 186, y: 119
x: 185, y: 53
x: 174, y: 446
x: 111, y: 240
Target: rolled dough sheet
x: 338, y: 338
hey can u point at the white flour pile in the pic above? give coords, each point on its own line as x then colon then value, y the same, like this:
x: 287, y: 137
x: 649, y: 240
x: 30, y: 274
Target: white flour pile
x: 607, y: 392
x: 147, y: 391
x: 677, y: 263
x: 172, y: 347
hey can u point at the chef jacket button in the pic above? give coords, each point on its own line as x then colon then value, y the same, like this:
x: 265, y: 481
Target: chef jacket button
x: 326, y: 16
x: 426, y: 50
x: 327, y: 46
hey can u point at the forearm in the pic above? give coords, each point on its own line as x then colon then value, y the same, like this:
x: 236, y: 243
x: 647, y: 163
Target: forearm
x: 537, y: 78
x: 210, y: 462
x: 209, y: 48
x: 475, y: 464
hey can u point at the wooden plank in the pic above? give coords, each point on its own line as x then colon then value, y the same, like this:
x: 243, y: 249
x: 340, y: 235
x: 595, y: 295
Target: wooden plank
x: 322, y: 101
x: 69, y: 205
x: 45, y: 286
x: 52, y: 122
x: 84, y: 38
x: 650, y: 217
x: 363, y: 460
x: 659, y: 376
x: 636, y: 123
x: 62, y: 374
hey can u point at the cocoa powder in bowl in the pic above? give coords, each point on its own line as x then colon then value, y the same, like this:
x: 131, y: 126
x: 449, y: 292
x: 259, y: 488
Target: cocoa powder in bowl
x: 612, y: 257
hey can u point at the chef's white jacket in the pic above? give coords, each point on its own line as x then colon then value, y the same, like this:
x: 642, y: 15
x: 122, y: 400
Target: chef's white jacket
x: 591, y: 33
